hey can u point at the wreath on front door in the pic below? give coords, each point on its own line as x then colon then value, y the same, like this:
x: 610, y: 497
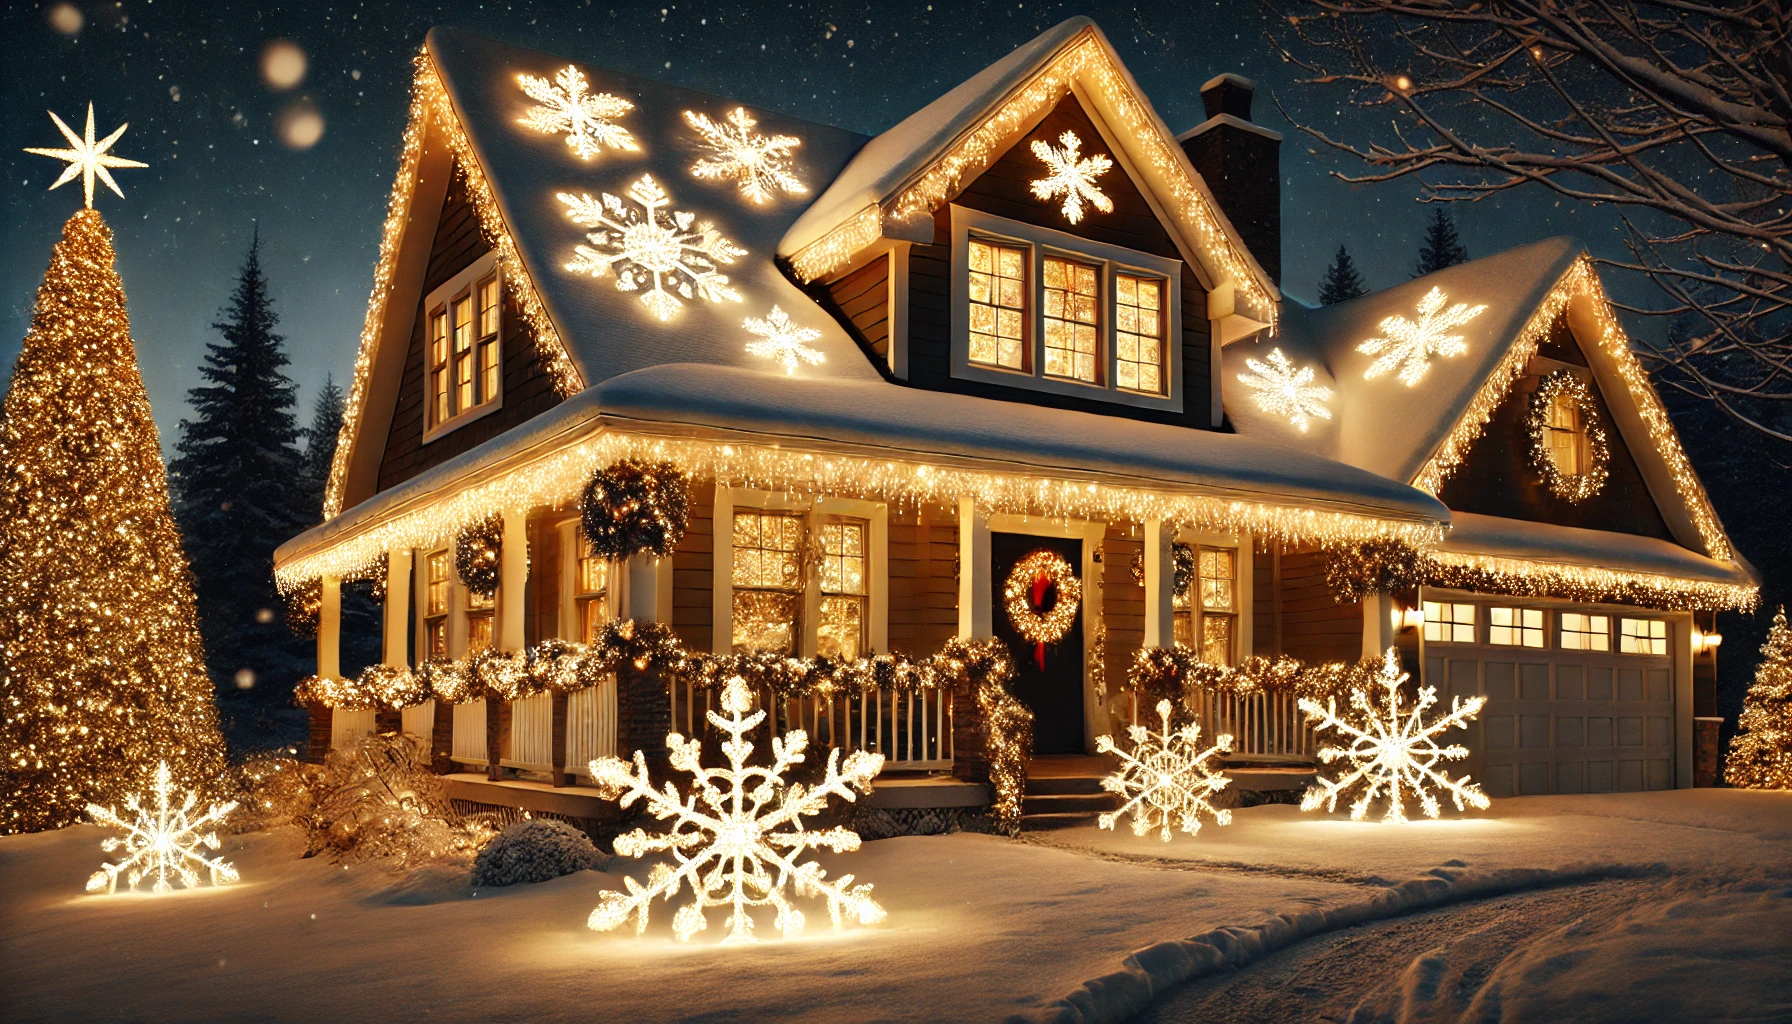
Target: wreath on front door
x: 1042, y: 595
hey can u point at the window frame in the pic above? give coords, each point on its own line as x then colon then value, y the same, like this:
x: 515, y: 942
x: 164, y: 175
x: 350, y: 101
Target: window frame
x: 1666, y: 637
x: 1576, y: 434
x: 572, y: 600
x: 429, y: 619
x: 1112, y: 260
x: 1520, y: 627
x: 467, y: 285
x: 1473, y: 624
x: 1563, y: 632
x: 1192, y: 611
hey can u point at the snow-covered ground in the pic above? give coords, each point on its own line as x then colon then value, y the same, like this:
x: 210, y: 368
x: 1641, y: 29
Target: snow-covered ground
x: 1690, y: 892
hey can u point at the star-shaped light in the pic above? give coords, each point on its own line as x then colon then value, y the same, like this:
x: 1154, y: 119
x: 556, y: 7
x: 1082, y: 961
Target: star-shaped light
x: 86, y: 158
x: 759, y: 163
x: 1414, y: 343
x: 782, y: 340
x: 1281, y: 390
x: 1071, y: 177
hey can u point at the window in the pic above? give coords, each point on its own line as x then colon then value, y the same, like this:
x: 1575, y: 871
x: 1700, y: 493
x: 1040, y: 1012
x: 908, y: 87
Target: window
x: 435, y: 605
x: 1447, y: 623
x: 1515, y: 627
x: 1071, y: 321
x: 1642, y: 636
x: 998, y: 290
x: 1138, y: 333
x: 767, y: 581
x: 1567, y: 436
x: 844, y: 578
x: 1582, y: 632
x: 465, y: 365
x: 591, y: 589
x: 1217, y: 584
x: 480, y: 609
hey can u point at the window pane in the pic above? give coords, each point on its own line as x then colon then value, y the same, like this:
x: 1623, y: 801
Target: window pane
x: 1218, y: 572
x: 1449, y: 623
x: 1583, y: 632
x: 437, y: 594
x: 438, y: 638
x: 997, y: 305
x: 841, y: 630
x: 766, y: 620
x: 1642, y: 636
x: 1070, y: 319
x: 592, y: 616
x: 1138, y: 340
x: 843, y: 557
x: 488, y: 371
x: 479, y: 633
x: 488, y: 307
x: 1216, y: 639
x: 1515, y: 627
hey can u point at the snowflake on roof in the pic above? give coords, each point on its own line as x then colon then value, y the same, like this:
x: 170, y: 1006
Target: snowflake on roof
x: 567, y: 105
x: 1164, y: 778
x: 760, y: 164
x: 738, y: 839
x: 782, y: 340
x: 1410, y: 345
x: 666, y: 255
x: 1392, y: 751
x: 1072, y: 176
x: 1281, y: 390
x: 162, y: 843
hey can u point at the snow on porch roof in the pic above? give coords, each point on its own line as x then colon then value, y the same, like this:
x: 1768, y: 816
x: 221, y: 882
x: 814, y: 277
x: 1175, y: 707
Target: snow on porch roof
x: 1496, y: 537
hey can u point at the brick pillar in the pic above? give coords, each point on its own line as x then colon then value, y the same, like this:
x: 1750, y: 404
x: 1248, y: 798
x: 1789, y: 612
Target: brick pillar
x: 441, y: 738
x: 969, y: 762
x: 388, y: 721
x: 1704, y: 750
x: 497, y: 735
x: 558, y: 774
x: 643, y: 716
x: 319, y: 740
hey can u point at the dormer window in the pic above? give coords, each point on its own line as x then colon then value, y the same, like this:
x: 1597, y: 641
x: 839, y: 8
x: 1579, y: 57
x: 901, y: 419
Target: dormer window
x: 464, y: 350
x: 1046, y: 310
x: 1567, y: 435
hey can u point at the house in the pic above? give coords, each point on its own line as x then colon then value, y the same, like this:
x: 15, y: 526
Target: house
x: 1028, y: 325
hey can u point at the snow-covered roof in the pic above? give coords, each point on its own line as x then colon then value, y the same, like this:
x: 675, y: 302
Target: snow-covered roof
x: 1496, y: 537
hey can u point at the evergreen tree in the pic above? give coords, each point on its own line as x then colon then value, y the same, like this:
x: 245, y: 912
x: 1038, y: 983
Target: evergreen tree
x: 1441, y: 247
x: 320, y: 445
x: 242, y: 492
x: 1761, y: 753
x: 102, y: 673
x: 1341, y: 281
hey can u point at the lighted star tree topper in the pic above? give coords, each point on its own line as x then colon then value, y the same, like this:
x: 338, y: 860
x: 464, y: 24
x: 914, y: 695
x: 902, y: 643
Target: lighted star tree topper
x: 163, y: 842
x: 782, y: 340
x: 738, y: 840
x: 1164, y: 779
x: 1392, y: 751
x: 760, y: 164
x: 666, y: 255
x: 1281, y: 390
x: 86, y: 158
x: 568, y: 105
x: 1410, y: 344
x: 1071, y: 176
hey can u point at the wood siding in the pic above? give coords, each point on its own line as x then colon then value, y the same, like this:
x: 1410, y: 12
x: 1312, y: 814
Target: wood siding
x: 1315, y: 626
x: 528, y: 391
x: 1266, y: 598
x: 923, y: 559
x: 860, y: 301
x: 693, y: 572
x: 1122, y: 601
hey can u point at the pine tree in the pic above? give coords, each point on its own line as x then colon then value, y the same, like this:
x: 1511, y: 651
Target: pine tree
x: 320, y: 445
x: 1341, y: 282
x: 1441, y: 247
x: 102, y: 673
x: 1761, y: 753
x: 242, y: 492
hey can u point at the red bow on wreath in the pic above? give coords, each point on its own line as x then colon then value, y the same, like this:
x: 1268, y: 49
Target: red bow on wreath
x: 1042, y: 585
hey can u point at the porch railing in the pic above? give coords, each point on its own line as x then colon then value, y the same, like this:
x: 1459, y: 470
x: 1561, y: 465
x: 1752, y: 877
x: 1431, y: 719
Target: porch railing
x: 590, y: 730
x: 913, y: 730
x: 1264, y: 725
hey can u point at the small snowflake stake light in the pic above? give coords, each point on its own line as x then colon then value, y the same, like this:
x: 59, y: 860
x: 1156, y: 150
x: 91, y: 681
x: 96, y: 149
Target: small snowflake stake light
x: 1164, y: 778
x: 1071, y: 177
x: 760, y: 164
x: 1392, y: 751
x: 567, y: 105
x: 663, y: 254
x: 162, y: 843
x: 1411, y: 345
x: 86, y: 158
x: 782, y: 340
x: 738, y: 839
x: 1281, y: 390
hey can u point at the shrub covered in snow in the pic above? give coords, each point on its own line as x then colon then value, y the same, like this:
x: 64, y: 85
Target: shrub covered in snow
x: 535, y: 850
x: 379, y: 800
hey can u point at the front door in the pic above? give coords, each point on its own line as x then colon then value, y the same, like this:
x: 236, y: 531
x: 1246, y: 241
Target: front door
x: 1050, y: 685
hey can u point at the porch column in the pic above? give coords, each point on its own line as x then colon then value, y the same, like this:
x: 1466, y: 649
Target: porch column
x: 974, y: 593
x: 643, y: 696
x: 395, y: 650
x: 513, y: 580
x: 1160, y: 584
x: 1378, y: 625
x: 329, y: 628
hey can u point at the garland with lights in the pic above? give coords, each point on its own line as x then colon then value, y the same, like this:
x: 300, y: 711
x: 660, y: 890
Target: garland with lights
x: 479, y: 556
x: 1182, y: 557
x: 636, y: 507
x: 1176, y: 673
x: 1041, y: 576
x: 1568, y: 385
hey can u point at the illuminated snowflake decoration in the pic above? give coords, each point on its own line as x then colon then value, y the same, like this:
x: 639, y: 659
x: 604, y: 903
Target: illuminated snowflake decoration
x: 567, y: 105
x: 782, y: 340
x: 163, y: 843
x: 1071, y: 177
x: 86, y: 158
x: 666, y: 255
x: 738, y: 839
x: 1392, y: 751
x: 760, y: 164
x: 1411, y: 345
x: 1164, y: 779
x: 1281, y: 390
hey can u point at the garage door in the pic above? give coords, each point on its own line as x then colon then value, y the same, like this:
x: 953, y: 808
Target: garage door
x: 1578, y: 701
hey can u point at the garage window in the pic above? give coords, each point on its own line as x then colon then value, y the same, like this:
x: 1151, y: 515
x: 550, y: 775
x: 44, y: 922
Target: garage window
x: 1515, y: 627
x: 1642, y: 636
x: 1447, y: 623
x: 1582, y: 632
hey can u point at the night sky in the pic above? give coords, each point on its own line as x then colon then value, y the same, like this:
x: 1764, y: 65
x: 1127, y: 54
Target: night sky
x: 188, y: 78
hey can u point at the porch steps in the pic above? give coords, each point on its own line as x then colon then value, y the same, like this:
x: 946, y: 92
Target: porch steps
x: 1063, y: 801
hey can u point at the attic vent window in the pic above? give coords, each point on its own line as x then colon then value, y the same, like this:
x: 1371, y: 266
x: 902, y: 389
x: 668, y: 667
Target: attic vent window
x: 464, y: 347
x: 1568, y: 446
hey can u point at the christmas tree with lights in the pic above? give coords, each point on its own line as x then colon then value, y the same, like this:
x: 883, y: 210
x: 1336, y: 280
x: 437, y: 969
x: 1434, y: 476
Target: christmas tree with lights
x: 102, y: 675
x: 1761, y: 753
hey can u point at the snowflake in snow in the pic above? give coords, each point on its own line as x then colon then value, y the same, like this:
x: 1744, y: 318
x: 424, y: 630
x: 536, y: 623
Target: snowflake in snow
x: 1164, y: 778
x: 1392, y: 750
x: 664, y: 254
x: 1413, y: 344
x: 784, y: 341
x: 163, y: 842
x: 566, y: 105
x: 1072, y: 178
x: 738, y: 839
x: 760, y: 163
x: 1281, y: 390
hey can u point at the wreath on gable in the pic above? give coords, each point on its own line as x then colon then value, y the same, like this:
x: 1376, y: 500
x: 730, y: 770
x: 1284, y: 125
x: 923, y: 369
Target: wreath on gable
x: 1042, y: 595
x: 1573, y: 487
x: 479, y: 555
x: 1183, y: 555
x: 636, y: 507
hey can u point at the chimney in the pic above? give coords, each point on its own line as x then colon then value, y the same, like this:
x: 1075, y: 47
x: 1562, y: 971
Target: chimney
x: 1242, y: 165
